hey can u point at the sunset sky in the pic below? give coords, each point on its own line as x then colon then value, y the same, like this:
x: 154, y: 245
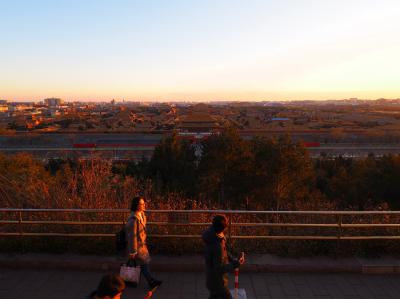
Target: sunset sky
x: 199, y: 49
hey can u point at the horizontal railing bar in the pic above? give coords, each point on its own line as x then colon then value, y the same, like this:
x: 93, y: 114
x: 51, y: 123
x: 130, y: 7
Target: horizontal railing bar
x: 198, y: 236
x: 67, y: 210
x: 319, y: 237
x: 172, y: 223
x: 57, y: 235
x: 97, y: 223
x: 179, y: 224
x: 331, y: 225
x: 175, y: 236
x: 366, y: 225
x: 208, y: 211
x: 287, y: 224
x: 89, y: 235
x: 370, y: 238
x: 63, y: 222
x: 288, y: 237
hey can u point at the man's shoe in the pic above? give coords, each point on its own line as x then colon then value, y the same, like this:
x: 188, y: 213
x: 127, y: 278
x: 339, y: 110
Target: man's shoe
x: 155, y: 283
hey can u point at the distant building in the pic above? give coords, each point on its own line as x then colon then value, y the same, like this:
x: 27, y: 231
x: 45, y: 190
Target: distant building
x: 3, y: 106
x: 53, y: 102
x: 20, y: 107
x: 198, y: 122
x: 54, y: 112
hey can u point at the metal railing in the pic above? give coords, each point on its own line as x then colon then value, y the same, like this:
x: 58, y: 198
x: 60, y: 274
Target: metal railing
x: 275, y: 225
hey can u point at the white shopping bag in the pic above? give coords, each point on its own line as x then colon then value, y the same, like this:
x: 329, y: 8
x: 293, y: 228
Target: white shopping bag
x: 241, y: 294
x: 130, y: 273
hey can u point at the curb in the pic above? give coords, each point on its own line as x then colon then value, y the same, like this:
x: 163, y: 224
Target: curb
x: 380, y: 269
x: 193, y: 264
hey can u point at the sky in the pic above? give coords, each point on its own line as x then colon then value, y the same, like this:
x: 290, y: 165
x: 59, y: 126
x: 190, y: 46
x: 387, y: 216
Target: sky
x: 199, y: 50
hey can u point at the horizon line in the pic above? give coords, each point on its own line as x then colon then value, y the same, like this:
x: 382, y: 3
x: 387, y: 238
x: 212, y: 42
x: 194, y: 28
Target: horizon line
x: 197, y: 100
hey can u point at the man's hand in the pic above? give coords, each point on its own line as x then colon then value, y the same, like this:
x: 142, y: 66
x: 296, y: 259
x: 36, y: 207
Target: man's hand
x: 241, y: 259
x: 132, y: 255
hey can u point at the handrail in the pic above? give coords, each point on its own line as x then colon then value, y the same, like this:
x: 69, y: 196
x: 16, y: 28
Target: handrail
x: 323, y: 212
x: 341, y: 230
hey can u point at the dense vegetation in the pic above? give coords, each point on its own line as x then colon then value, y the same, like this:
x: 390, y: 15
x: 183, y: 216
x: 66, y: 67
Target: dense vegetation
x: 225, y: 171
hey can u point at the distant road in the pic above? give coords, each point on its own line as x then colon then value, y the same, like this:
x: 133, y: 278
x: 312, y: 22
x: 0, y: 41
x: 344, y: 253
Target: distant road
x: 139, y: 151
x: 367, y: 147
x: 152, y: 146
x: 103, y: 148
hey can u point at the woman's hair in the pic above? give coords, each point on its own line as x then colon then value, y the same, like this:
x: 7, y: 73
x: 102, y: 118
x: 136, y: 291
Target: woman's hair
x: 110, y: 285
x: 135, y: 203
x: 219, y: 223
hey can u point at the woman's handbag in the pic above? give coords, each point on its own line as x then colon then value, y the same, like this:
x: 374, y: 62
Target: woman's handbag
x: 130, y: 273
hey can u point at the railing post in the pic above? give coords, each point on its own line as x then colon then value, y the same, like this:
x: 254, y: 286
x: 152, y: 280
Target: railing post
x: 339, y: 234
x: 230, y: 230
x: 21, y: 231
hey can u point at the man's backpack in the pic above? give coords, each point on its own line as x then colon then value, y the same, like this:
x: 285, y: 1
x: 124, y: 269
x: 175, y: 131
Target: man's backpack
x: 120, y: 239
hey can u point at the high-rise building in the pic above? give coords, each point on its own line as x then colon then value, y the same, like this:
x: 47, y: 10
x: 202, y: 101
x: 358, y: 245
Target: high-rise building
x: 52, y: 102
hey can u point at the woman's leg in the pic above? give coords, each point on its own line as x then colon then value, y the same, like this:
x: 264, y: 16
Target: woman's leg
x: 149, y: 277
x: 146, y: 273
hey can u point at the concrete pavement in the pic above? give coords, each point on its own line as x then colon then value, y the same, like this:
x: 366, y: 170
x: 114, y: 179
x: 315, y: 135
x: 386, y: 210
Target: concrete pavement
x: 59, y: 284
x: 264, y: 276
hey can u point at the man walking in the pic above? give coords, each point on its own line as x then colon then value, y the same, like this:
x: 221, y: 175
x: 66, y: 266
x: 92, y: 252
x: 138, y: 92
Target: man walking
x: 218, y: 260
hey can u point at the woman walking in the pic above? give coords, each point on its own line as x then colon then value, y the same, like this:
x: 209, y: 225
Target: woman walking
x: 136, y: 237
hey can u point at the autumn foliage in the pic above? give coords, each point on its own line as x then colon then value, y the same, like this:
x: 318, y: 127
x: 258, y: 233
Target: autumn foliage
x: 223, y: 172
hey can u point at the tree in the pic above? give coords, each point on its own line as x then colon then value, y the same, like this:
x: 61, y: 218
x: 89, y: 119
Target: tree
x: 388, y: 180
x: 350, y: 183
x: 173, y: 165
x: 225, y: 166
x: 282, y: 172
x: 24, y: 182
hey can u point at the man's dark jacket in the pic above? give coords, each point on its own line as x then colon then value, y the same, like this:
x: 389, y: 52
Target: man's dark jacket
x: 218, y: 261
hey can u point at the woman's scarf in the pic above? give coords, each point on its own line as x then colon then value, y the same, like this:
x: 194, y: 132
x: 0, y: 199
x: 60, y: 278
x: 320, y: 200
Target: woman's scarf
x: 141, y: 216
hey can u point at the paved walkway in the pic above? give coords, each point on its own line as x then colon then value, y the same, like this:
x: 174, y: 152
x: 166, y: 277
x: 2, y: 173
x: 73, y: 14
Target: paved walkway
x: 54, y: 284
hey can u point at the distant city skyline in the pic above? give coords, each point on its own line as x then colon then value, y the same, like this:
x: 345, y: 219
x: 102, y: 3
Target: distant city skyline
x: 199, y: 50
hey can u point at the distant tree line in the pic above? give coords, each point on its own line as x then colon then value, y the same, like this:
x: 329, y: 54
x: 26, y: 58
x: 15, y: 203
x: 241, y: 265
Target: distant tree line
x: 267, y: 173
